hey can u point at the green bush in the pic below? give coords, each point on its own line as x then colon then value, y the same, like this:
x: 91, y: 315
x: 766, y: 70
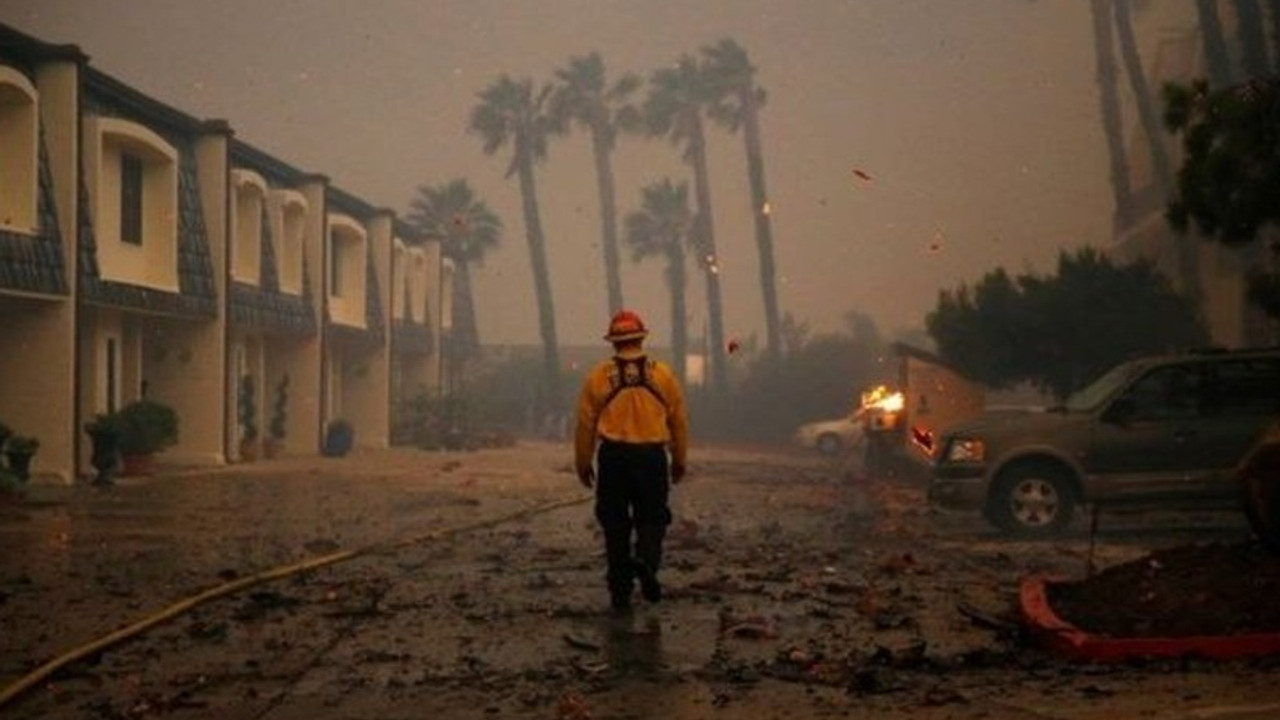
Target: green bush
x: 146, y: 427
x: 20, y: 444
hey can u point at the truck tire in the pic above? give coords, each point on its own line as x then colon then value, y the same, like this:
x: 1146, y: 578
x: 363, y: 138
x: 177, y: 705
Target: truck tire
x: 1032, y: 499
x: 1259, y: 483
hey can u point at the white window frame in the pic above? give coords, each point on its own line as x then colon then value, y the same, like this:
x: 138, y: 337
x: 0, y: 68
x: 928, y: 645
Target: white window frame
x: 288, y: 211
x: 154, y: 262
x: 248, y: 204
x: 19, y: 153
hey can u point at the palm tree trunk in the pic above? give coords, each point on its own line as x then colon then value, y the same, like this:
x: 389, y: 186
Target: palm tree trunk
x: 1275, y: 32
x: 1215, y: 43
x: 552, y: 399
x: 1186, y: 246
x: 1109, y: 101
x: 763, y: 225
x: 706, y: 243
x: 677, y: 283
x: 1253, y: 40
x: 1151, y: 126
x: 466, y: 331
x: 608, y: 219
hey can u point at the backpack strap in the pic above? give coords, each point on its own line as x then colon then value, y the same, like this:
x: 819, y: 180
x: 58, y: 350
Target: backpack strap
x: 631, y: 373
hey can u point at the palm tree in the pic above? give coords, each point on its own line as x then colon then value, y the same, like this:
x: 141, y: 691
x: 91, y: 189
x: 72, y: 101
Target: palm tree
x: 1274, y: 5
x: 467, y: 230
x: 738, y: 105
x: 511, y: 113
x: 1215, y: 43
x: 1152, y: 129
x: 678, y: 96
x: 662, y: 226
x: 1109, y: 100
x: 1253, y: 38
x: 583, y: 96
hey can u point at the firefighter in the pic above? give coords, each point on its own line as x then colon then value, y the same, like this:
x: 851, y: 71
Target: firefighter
x: 631, y: 420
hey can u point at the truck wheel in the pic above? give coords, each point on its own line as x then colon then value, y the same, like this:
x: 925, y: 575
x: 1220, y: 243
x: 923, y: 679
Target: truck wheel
x: 828, y: 443
x: 1032, y: 499
x: 1260, y: 486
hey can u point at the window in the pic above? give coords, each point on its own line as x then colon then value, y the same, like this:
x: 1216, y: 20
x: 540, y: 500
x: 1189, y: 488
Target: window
x: 131, y: 174
x: 1246, y: 387
x: 347, y: 258
x: 1166, y: 393
x: 335, y: 265
x: 131, y: 199
x: 288, y: 216
x: 112, y: 370
x: 18, y: 165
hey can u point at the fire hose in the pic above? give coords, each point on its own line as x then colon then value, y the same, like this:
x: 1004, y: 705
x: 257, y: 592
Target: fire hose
x: 33, y: 678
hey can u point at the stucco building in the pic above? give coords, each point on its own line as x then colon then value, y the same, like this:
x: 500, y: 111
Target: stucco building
x: 148, y: 253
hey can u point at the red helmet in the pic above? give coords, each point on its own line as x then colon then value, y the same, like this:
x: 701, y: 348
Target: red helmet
x: 626, y: 325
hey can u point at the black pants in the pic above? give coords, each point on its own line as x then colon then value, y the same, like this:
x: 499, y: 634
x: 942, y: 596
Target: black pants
x: 631, y: 495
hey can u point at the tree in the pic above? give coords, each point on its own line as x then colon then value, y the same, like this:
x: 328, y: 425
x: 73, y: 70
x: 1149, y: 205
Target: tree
x: 1253, y: 38
x: 1006, y: 330
x: 1215, y: 43
x: 737, y: 106
x: 1109, y: 102
x: 582, y: 95
x: 677, y: 99
x: 661, y: 227
x: 511, y: 113
x: 1230, y: 177
x: 467, y: 230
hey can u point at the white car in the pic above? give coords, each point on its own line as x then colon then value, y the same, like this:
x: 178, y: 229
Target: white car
x: 830, y: 436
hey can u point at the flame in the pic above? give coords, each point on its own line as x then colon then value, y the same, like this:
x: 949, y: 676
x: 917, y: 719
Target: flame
x: 880, y: 398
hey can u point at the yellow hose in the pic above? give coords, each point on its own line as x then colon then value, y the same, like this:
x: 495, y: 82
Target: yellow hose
x: 39, y: 674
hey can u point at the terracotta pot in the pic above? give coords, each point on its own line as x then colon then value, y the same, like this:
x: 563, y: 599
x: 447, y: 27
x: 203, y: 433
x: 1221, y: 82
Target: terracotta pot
x: 248, y: 450
x: 136, y: 465
x: 272, y: 447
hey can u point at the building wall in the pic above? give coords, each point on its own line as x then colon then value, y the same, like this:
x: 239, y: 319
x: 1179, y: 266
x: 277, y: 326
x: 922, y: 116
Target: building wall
x: 35, y: 380
x: 78, y: 356
x: 307, y: 372
x: 366, y: 384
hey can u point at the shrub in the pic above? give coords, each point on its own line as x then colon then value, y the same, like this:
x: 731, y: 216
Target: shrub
x: 21, y: 444
x: 248, y: 408
x: 146, y: 427
x: 280, y: 410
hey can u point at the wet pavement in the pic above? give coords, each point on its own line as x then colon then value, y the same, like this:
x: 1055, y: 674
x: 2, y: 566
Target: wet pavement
x: 794, y: 588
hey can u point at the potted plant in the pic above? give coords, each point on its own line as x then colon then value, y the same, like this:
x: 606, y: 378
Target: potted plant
x: 145, y: 428
x: 248, y: 407
x: 18, y: 450
x: 5, y: 433
x: 338, y: 438
x: 11, y: 488
x: 104, y: 433
x: 279, y: 415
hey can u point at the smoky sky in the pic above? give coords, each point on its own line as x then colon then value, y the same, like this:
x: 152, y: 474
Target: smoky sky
x: 975, y: 120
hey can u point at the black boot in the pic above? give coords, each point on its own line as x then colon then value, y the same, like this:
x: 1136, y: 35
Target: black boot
x: 621, y: 573
x: 648, y: 559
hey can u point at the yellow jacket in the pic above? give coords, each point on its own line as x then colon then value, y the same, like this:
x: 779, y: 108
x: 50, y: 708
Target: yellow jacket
x: 635, y: 414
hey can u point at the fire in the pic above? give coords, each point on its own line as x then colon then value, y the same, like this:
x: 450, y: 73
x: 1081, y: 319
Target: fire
x: 880, y: 398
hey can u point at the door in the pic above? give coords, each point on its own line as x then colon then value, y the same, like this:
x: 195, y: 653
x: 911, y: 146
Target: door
x: 1145, y: 441
x: 1243, y: 397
